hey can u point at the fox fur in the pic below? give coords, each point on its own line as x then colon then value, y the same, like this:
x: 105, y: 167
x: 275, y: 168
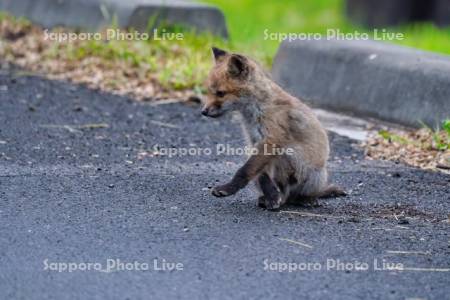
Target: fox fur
x: 273, y: 120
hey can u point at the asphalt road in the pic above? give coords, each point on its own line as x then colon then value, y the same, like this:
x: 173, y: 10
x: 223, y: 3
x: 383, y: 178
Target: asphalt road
x: 81, y: 186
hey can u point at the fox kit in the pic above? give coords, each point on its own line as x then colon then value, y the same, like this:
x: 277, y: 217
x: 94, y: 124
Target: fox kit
x: 291, y: 147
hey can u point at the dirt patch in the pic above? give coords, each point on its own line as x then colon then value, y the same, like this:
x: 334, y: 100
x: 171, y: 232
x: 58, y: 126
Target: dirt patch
x: 423, y: 148
x: 144, y: 70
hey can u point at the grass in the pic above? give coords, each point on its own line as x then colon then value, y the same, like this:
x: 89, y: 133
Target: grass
x: 387, y: 135
x: 424, y: 148
x: 441, y: 136
x: 176, y: 65
x: 248, y: 19
x: 123, y: 66
x: 426, y: 138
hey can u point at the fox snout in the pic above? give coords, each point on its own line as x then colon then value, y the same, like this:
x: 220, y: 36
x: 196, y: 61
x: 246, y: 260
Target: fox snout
x: 227, y: 81
x: 213, y: 111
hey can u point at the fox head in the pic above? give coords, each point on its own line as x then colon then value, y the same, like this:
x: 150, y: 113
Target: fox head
x: 227, y: 83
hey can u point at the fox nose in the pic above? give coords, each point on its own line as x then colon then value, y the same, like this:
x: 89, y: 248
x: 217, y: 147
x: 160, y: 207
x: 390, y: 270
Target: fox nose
x: 205, y: 111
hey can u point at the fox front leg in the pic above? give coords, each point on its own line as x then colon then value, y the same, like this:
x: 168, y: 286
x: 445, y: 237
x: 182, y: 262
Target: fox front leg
x: 254, y: 165
x: 238, y: 182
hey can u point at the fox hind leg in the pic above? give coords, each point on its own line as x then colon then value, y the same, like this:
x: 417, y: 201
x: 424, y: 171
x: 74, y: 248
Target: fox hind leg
x: 332, y: 191
x: 262, y: 201
x: 271, y: 195
x: 297, y: 198
x: 298, y: 195
x: 305, y: 191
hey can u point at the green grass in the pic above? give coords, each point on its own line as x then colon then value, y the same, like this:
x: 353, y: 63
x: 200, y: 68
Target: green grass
x: 387, y: 135
x: 441, y: 136
x: 175, y: 65
x: 247, y: 20
x: 438, y: 139
x: 427, y: 36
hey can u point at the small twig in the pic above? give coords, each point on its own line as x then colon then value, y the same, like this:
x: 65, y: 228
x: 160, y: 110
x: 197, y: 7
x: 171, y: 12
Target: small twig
x: 381, y: 228
x: 163, y: 102
x: 68, y: 127
x: 163, y: 124
x: 307, y: 214
x: 398, y: 227
x: 442, y: 166
x: 74, y: 128
x: 426, y: 269
x: 296, y: 242
x: 93, y: 126
x: 403, y: 227
x: 409, y: 252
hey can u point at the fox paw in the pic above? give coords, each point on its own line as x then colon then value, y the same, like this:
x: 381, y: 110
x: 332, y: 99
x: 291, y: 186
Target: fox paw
x: 340, y: 193
x: 310, y: 202
x: 224, y: 190
x: 262, y: 202
x: 333, y: 191
x: 273, y: 204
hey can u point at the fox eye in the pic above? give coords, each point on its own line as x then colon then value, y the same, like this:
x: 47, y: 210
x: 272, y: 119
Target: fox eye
x: 220, y: 94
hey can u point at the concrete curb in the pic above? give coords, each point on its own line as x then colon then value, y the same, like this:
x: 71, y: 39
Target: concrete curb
x: 367, y: 78
x: 95, y: 14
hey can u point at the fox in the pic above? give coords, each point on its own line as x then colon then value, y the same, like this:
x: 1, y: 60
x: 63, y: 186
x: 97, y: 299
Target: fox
x: 289, y: 164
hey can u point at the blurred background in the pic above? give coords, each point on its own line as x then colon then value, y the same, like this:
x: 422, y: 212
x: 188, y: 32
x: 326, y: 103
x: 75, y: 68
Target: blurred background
x: 161, y: 69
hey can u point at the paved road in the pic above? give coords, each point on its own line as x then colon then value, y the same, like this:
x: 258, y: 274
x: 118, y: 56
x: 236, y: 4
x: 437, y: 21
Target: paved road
x: 75, y: 193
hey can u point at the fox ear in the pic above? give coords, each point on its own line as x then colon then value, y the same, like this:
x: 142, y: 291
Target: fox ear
x: 238, y: 66
x: 218, y: 53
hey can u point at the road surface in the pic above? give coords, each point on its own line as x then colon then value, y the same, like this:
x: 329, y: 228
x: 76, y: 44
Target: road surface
x: 86, y: 184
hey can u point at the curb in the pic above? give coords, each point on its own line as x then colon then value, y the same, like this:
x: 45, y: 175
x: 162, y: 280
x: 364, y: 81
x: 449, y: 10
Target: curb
x: 367, y: 78
x: 97, y: 14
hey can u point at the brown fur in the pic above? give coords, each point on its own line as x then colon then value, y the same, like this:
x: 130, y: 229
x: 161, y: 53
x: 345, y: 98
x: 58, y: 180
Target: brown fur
x: 272, y: 119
